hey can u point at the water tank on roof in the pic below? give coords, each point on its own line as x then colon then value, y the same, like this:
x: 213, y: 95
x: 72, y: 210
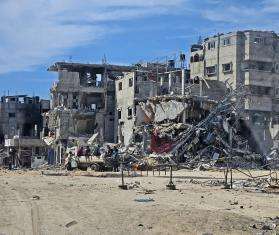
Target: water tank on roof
x: 171, y: 64
x: 196, y: 47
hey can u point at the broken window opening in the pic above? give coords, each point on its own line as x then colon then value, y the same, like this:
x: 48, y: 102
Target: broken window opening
x: 130, y: 112
x: 259, y: 40
x: 93, y: 107
x: 12, y: 115
x: 120, y: 86
x: 227, y: 68
x: 227, y: 41
x: 211, y: 45
x: 196, y: 58
x: 211, y: 70
x: 130, y: 82
x: 119, y: 114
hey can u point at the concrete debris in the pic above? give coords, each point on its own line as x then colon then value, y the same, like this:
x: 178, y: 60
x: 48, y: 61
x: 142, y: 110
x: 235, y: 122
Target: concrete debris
x: 269, y: 226
x: 144, y: 199
x: 36, y: 197
x: 87, y: 128
x: 70, y: 224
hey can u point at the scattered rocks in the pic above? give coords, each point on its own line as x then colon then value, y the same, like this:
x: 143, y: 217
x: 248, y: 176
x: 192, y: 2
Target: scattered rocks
x: 268, y: 226
x: 136, y: 184
x: 233, y: 203
x: 149, y: 191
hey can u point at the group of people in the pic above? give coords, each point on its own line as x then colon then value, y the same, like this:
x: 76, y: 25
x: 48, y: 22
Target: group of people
x: 110, y: 154
x: 81, y: 151
x: 113, y: 154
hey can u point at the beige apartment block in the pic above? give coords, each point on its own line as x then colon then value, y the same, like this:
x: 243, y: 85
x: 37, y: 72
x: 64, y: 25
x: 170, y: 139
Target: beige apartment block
x: 250, y: 59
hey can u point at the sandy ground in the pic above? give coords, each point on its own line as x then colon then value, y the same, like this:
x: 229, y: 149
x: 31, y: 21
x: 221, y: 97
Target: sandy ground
x: 32, y: 203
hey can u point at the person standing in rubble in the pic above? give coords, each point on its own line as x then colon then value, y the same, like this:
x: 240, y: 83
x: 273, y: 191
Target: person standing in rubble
x: 109, y: 151
x: 80, y: 151
x: 68, y: 161
x: 115, y: 159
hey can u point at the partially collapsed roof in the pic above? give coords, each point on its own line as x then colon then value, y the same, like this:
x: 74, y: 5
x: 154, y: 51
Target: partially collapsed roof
x: 98, y: 68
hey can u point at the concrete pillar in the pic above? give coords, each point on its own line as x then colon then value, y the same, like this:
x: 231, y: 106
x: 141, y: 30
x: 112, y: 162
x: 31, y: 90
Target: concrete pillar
x: 183, y: 82
x: 144, y: 139
x: 170, y: 81
x: 161, y: 81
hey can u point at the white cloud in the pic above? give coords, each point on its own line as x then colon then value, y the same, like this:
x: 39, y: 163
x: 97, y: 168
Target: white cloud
x: 262, y: 14
x: 33, y: 31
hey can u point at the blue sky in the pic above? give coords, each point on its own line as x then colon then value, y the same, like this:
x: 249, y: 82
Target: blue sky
x: 36, y: 33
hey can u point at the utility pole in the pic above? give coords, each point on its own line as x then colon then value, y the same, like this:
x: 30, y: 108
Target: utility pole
x: 218, y: 58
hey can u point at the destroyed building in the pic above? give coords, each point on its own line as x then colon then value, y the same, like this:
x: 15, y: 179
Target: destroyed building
x: 21, y: 122
x: 22, y: 116
x: 82, y: 104
x: 245, y: 58
x: 148, y: 80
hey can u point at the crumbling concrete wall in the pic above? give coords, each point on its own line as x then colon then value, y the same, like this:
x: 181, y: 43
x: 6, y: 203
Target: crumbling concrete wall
x: 21, y: 115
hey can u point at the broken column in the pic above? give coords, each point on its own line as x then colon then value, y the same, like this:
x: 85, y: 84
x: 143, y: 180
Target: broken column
x: 170, y: 81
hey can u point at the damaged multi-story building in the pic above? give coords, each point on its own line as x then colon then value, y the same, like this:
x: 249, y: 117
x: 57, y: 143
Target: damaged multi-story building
x: 82, y: 104
x: 145, y: 81
x: 21, y: 115
x: 21, y: 122
x: 250, y: 59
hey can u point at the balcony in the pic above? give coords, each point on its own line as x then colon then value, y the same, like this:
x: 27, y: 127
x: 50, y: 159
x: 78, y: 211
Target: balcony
x: 92, y: 89
x: 259, y: 78
x: 258, y: 103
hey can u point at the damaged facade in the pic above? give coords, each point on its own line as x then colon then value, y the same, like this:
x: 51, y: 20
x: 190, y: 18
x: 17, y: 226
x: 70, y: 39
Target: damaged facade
x: 21, y: 122
x: 83, y: 104
x: 225, y: 104
x: 250, y: 59
x: 149, y: 80
x: 21, y: 115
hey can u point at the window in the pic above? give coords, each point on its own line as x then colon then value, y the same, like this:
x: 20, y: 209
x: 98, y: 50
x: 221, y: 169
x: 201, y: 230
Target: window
x: 192, y: 59
x: 130, y: 112
x: 137, y: 89
x: 196, y: 58
x: 277, y: 91
x: 119, y: 114
x: 211, y: 70
x: 259, y: 40
x: 227, y: 41
x: 120, y: 86
x: 12, y: 115
x: 227, y: 68
x: 211, y: 45
x: 260, y: 90
x: 130, y: 82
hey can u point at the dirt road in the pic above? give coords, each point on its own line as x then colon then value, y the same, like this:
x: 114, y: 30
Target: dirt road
x: 32, y: 203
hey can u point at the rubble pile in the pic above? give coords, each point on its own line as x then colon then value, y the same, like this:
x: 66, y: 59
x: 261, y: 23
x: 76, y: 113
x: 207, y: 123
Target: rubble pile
x: 214, y: 134
x: 216, y: 138
x: 2, y: 154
